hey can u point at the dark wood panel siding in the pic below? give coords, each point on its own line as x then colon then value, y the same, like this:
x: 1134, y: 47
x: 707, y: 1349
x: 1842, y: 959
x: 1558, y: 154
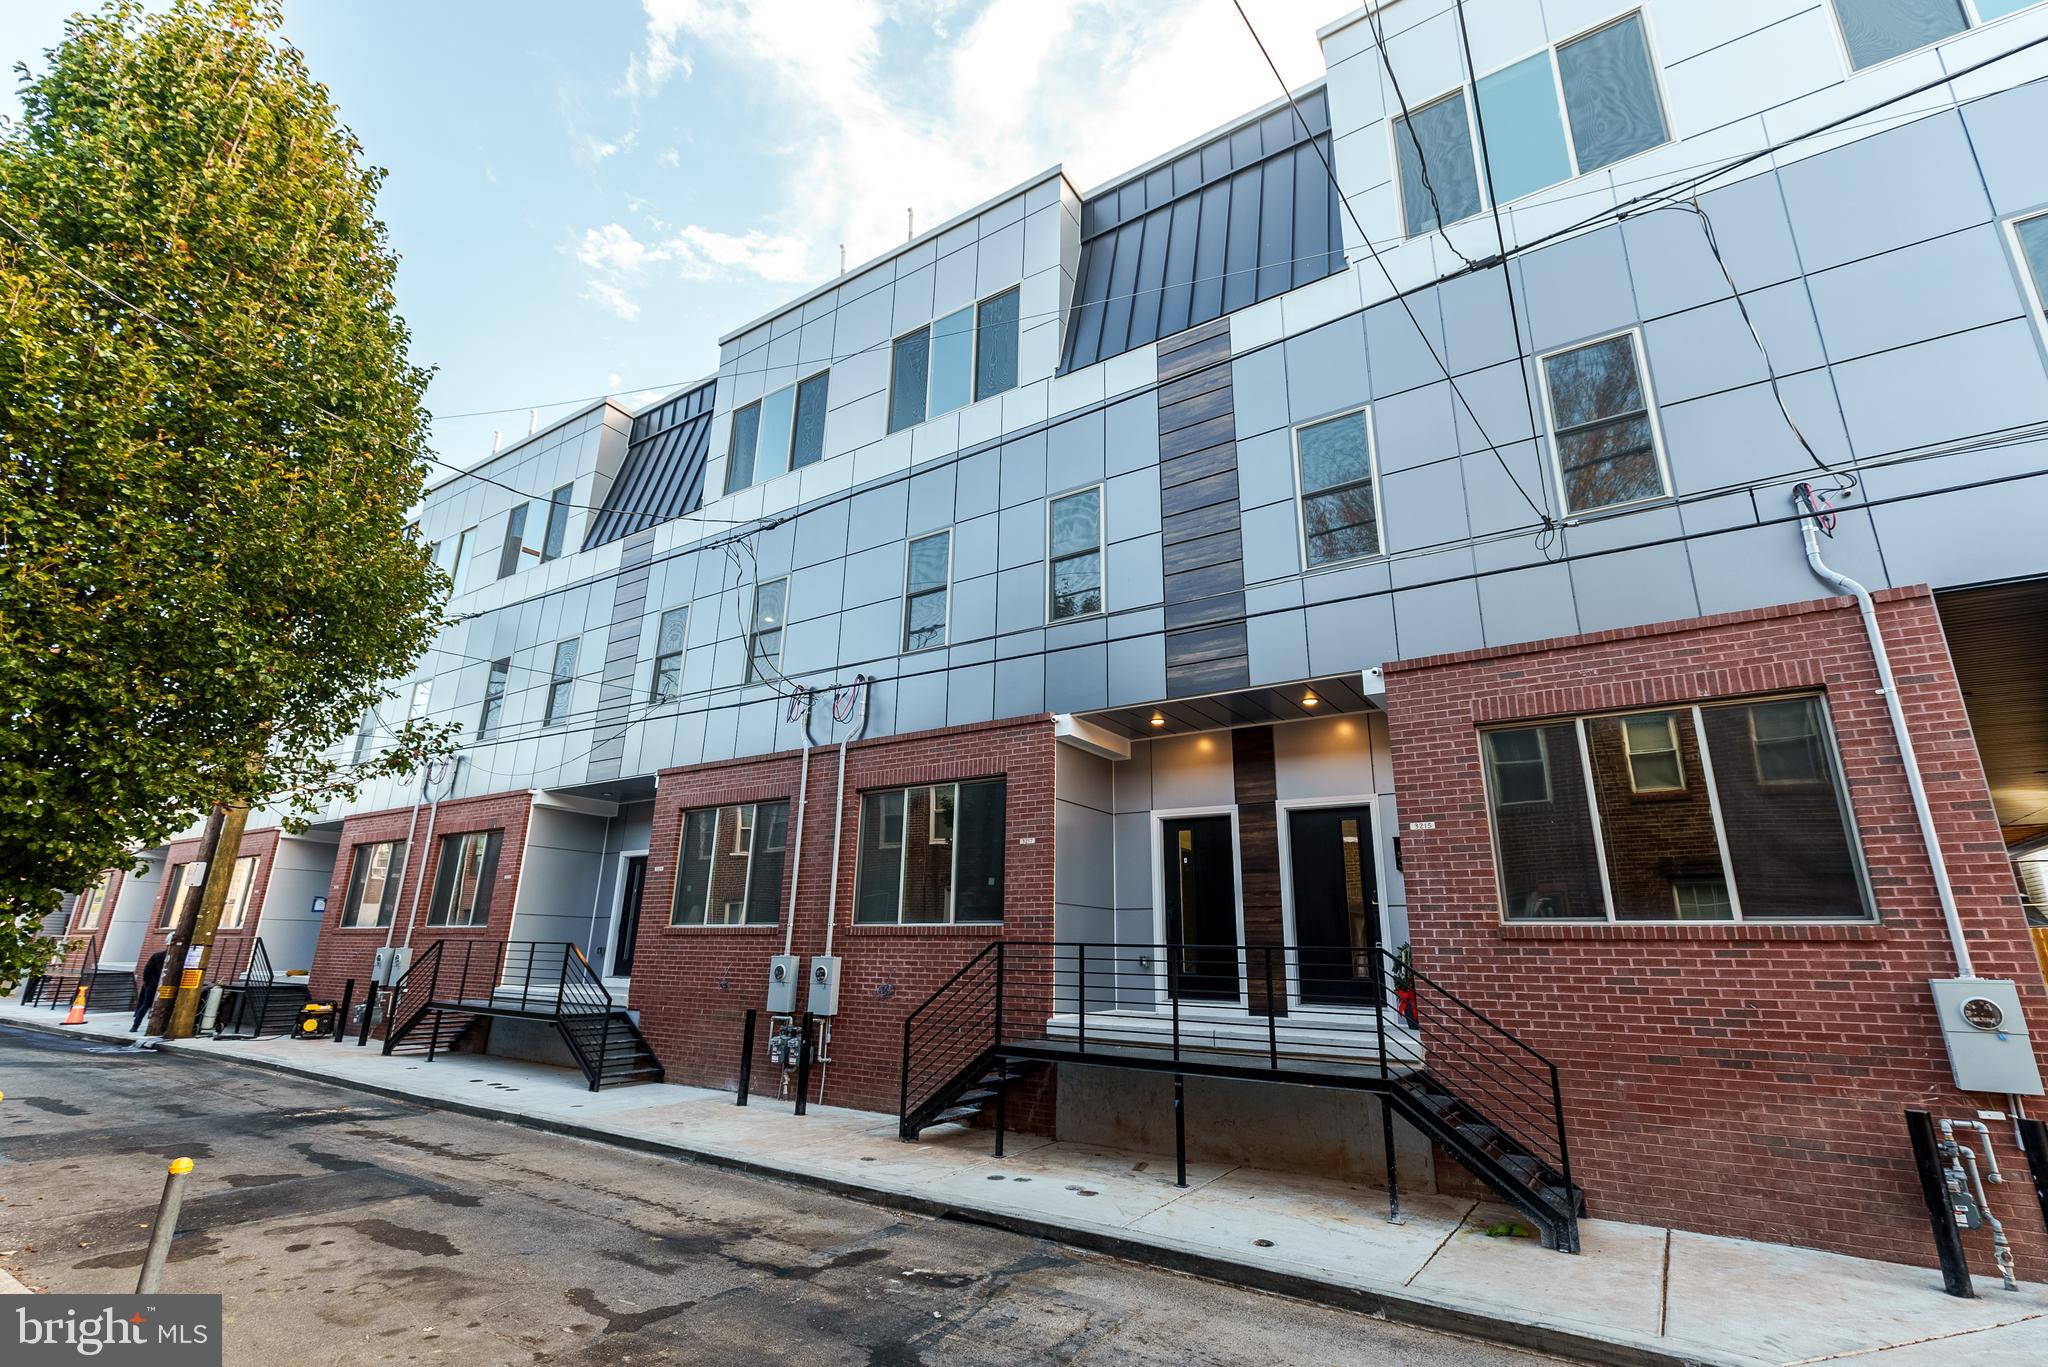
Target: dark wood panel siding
x: 1258, y: 859
x: 1207, y: 650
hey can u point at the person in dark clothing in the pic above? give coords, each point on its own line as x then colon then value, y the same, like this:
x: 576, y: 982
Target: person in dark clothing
x: 145, y: 998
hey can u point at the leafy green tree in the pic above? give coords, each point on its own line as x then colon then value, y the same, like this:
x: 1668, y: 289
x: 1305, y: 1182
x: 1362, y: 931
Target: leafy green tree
x: 210, y: 436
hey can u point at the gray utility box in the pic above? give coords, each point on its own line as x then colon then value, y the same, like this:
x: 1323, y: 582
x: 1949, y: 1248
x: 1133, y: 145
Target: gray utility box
x: 1988, y: 1045
x: 784, y: 971
x: 824, y: 985
x: 391, y: 964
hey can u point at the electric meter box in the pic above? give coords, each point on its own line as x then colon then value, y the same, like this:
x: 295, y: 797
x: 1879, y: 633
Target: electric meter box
x: 785, y: 971
x: 1988, y: 1046
x: 391, y: 964
x: 824, y: 985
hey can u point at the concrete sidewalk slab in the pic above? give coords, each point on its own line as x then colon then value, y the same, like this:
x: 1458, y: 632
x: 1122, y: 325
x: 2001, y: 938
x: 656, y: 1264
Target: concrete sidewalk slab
x: 1622, y: 1300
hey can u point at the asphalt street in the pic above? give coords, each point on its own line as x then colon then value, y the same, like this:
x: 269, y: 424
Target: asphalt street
x: 343, y: 1228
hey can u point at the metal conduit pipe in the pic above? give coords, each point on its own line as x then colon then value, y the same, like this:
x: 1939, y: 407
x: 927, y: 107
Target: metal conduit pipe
x: 433, y: 813
x: 860, y: 689
x: 796, y: 838
x: 1888, y: 686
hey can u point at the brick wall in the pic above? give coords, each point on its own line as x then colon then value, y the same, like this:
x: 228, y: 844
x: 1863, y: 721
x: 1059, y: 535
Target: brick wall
x: 350, y: 951
x: 1736, y: 1079
x: 693, y: 984
x: 231, y: 947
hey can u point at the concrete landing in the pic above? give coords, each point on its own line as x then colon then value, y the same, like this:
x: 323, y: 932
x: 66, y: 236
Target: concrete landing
x: 1636, y: 1294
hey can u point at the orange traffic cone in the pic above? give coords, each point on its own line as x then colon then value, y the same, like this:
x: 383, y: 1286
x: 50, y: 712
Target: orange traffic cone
x: 77, y: 1016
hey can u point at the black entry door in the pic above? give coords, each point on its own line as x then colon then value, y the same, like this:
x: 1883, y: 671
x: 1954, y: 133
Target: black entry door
x: 1201, y: 907
x: 629, y: 916
x: 1336, y: 903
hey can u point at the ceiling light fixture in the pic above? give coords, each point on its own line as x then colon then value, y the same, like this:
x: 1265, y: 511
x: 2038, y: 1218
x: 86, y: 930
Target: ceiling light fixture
x: 1309, y: 698
x: 1158, y: 719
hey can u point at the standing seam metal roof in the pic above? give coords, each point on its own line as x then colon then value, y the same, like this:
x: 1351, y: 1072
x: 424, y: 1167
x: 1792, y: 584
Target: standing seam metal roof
x: 662, y: 475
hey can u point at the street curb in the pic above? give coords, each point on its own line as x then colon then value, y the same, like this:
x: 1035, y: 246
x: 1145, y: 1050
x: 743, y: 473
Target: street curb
x: 1404, y: 1307
x: 11, y: 1286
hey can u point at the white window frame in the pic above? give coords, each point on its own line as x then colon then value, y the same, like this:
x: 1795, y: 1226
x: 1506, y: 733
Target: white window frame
x: 796, y: 411
x: 1470, y: 86
x: 654, y: 696
x: 1101, y: 554
x: 1757, y: 759
x: 561, y: 687
x: 241, y: 890
x: 1635, y: 336
x: 465, y: 547
x: 1972, y: 21
x: 1301, y: 494
x: 2036, y: 291
x: 487, y: 722
x: 178, y: 876
x: 973, y: 309
x: 754, y: 632
x: 1542, y: 756
x: 946, y: 626
x: 1851, y: 833
x: 1677, y: 753
x: 422, y: 700
x: 561, y: 500
x: 87, y: 912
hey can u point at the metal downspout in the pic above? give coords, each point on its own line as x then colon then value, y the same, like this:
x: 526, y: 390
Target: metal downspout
x: 796, y: 838
x: 1888, y: 686
x: 861, y: 686
x: 412, y: 915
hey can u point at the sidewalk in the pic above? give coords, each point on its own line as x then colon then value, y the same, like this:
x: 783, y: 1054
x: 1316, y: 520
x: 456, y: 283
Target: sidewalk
x: 1637, y: 1294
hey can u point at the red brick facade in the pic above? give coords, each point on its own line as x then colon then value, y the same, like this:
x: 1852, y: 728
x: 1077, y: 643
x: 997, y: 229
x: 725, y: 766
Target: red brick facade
x: 349, y: 951
x: 1742, y: 1079
x: 693, y: 984
x: 231, y: 945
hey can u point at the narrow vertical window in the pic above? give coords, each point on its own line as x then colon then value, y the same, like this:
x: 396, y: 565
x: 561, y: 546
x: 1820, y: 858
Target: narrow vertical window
x: 778, y: 414
x: 366, y: 736
x: 558, y: 523
x: 458, y: 561
x: 422, y: 700
x: 1339, y: 511
x: 909, y: 367
x: 668, y: 655
x: 1610, y: 94
x: 952, y: 362
x: 807, y: 445
x: 739, y: 457
x: 1525, y: 147
x: 926, y: 575
x: 1433, y: 149
x: 1074, y: 564
x: 494, y: 698
x: 91, y: 904
x: 510, y: 553
x: 2030, y: 236
x: 764, y: 636
x: 187, y: 881
x: 561, y: 683
x: 1605, y: 439
x: 241, y: 885
x: 995, y: 344
x: 371, y: 893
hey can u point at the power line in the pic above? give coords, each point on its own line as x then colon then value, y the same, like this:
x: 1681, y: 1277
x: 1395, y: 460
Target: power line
x: 1379, y: 38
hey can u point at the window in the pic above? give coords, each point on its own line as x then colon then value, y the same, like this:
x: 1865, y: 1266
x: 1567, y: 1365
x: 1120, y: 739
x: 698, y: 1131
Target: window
x: 1339, y: 512
x: 558, y: 523
x: 515, y: 543
x: 931, y: 854
x: 771, y: 448
x: 2030, y: 240
x: 1651, y: 744
x: 927, y: 570
x: 366, y: 736
x: 1520, y: 767
x: 764, y: 638
x: 458, y: 562
x: 462, y: 883
x: 1074, y: 562
x: 561, y: 683
x: 807, y: 444
x: 729, y: 867
x: 668, y: 655
x: 1785, y: 742
x: 969, y: 353
x: 372, y: 884
x: 240, y: 887
x: 186, y: 882
x: 1878, y: 30
x: 494, y: 698
x: 1625, y: 834
x: 739, y: 454
x: 1601, y: 427
x: 1433, y: 151
x: 1586, y: 103
x: 92, y: 904
x: 422, y: 699
x: 995, y: 344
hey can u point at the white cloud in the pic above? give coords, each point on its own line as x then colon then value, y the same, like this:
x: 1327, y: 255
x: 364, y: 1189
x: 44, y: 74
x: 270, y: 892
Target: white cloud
x: 616, y: 258
x: 614, y: 380
x: 614, y: 249
x: 613, y: 298
x: 670, y: 157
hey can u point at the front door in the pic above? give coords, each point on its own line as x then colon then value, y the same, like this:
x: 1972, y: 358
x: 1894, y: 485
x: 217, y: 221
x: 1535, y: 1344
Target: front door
x: 1201, y: 907
x: 633, y: 880
x: 1336, y: 904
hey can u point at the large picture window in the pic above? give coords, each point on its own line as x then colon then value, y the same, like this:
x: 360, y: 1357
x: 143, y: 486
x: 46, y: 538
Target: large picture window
x: 931, y: 855
x: 463, y: 881
x: 1714, y: 812
x: 373, y: 884
x: 1601, y: 426
x: 729, y: 867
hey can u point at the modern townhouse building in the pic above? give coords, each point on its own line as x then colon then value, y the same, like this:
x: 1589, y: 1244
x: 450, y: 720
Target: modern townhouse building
x: 1368, y: 601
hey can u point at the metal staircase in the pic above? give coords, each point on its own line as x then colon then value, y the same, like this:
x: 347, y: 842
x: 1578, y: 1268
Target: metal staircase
x: 105, y: 989
x: 258, y: 1001
x: 454, y: 985
x: 1358, y: 1021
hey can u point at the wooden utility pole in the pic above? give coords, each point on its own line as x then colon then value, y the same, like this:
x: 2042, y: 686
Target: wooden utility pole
x: 177, y: 996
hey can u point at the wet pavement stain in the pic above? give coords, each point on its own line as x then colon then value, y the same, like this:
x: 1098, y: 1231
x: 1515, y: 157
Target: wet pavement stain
x: 421, y: 1241
x: 239, y: 1180
x: 333, y: 1162
x: 447, y: 1151
x: 52, y: 1105
x: 623, y: 1321
x: 184, y: 1248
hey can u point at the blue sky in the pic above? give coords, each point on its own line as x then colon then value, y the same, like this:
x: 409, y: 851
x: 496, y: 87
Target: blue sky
x: 586, y: 195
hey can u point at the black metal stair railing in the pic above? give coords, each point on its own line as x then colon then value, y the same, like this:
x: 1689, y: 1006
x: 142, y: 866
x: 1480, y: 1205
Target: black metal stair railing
x: 77, y: 967
x: 409, y: 999
x: 1355, y: 1018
